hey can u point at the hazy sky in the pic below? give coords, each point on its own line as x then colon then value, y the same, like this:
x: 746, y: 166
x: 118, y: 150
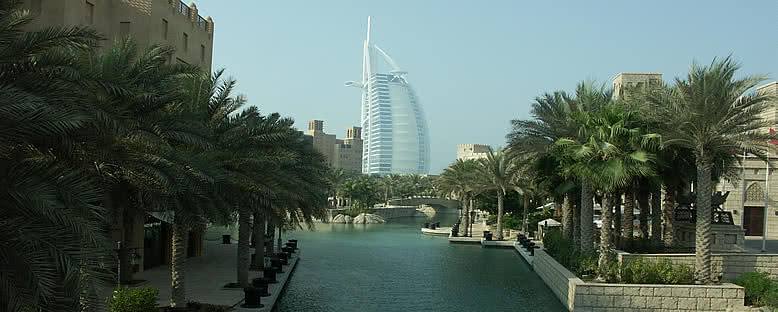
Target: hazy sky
x: 475, y: 65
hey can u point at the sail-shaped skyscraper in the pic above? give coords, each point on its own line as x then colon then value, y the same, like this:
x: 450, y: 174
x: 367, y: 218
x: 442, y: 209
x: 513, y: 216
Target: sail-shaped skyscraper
x: 394, y: 130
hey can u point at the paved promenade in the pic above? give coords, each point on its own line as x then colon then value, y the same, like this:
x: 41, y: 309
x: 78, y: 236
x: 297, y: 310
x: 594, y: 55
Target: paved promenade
x: 206, y: 276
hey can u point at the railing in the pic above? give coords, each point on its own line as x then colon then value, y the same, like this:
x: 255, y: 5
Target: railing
x: 201, y: 21
x: 183, y: 8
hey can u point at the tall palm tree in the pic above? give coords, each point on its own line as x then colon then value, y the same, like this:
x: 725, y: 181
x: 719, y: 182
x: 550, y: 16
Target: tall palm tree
x: 335, y: 179
x: 496, y: 172
x: 711, y: 114
x: 457, y: 181
x: 533, y: 139
x: 611, y: 151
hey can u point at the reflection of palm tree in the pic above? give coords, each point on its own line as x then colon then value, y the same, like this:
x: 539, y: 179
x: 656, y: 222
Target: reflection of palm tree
x: 708, y: 113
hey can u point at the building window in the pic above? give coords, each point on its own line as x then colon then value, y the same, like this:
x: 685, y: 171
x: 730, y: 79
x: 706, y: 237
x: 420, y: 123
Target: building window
x: 164, y: 28
x: 36, y: 6
x: 186, y: 42
x: 124, y: 29
x: 90, y: 12
x: 202, y: 53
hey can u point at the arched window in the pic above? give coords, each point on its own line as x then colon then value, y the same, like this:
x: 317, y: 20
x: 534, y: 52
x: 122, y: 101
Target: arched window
x: 755, y: 192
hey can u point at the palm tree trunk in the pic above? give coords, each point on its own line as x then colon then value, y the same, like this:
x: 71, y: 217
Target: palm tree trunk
x: 244, y: 253
x: 259, y: 242
x: 627, y: 217
x: 606, y: 242
x: 645, y: 210
x: 118, y: 203
x: 704, y: 223
x: 177, y: 263
x: 525, y: 219
x: 576, y: 209
x: 668, y: 216
x: 470, y: 226
x: 567, y: 218
x: 656, y: 216
x: 500, y: 211
x: 587, y: 220
x: 465, y: 217
x: 271, y: 231
x: 278, y: 248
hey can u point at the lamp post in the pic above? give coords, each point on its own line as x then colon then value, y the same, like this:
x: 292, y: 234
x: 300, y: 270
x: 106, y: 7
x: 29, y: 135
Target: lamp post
x: 766, y: 199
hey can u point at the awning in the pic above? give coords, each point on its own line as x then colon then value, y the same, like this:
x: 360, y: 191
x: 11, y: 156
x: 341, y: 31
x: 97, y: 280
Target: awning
x: 164, y: 216
x: 549, y: 222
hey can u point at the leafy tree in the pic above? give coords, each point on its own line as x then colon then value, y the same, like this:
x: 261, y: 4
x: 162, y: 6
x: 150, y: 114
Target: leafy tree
x: 709, y: 113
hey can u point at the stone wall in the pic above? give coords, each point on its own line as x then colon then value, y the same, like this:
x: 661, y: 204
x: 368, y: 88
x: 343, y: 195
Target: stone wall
x: 577, y: 295
x: 560, y: 280
x: 729, y: 265
x: 634, y: 297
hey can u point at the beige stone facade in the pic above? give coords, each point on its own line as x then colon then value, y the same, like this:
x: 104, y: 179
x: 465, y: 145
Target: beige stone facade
x: 748, y: 211
x: 345, y: 154
x: 164, y: 22
x: 472, y: 151
x: 626, y: 81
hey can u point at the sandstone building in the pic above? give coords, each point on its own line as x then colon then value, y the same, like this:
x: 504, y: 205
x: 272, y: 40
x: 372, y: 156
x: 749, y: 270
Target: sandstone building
x: 345, y: 154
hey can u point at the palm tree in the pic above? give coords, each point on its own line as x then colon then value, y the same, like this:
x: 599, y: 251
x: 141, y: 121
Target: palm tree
x: 533, y: 139
x: 711, y: 115
x: 335, y: 180
x: 611, y: 151
x: 497, y: 171
x: 456, y: 181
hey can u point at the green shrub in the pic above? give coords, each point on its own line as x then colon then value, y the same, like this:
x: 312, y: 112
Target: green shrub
x: 642, y: 271
x: 143, y: 299
x: 568, y: 255
x: 511, y: 222
x: 760, y: 289
x: 491, y: 219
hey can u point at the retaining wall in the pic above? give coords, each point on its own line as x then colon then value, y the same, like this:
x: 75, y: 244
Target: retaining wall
x: 578, y: 295
x: 728, y: 265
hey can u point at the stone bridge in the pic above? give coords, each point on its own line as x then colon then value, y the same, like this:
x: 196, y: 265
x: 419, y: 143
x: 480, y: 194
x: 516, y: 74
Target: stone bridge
x: 441, y: 205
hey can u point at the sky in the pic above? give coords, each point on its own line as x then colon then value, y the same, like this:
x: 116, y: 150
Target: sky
x: 474, y: 65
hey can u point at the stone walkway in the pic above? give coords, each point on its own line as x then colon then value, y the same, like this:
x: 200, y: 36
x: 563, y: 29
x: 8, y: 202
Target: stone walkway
x: 206, y: 276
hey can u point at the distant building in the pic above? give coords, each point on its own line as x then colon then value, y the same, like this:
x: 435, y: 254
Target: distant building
x: 345, y: 154
x: 625, y: 82
x: 164, y: 22
x: 472, y: 151
x: 396, y: 134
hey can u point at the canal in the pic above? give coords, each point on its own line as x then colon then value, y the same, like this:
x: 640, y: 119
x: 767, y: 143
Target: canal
x: 393, y: 267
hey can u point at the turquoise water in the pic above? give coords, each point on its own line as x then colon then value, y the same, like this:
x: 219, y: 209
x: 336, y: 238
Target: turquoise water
x: 393, y: 267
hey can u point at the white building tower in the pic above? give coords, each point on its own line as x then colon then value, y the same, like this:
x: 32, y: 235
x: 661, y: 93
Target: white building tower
x: 394, y: 130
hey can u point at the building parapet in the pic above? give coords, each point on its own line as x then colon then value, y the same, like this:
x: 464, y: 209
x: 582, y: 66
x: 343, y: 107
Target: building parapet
x: 192, y: 13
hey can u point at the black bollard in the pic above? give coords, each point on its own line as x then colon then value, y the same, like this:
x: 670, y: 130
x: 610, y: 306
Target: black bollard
x: 269, y: 275
x: 261, y: 283
x: 276, y: 264
x: 251, y: 298
x: 226, y: 239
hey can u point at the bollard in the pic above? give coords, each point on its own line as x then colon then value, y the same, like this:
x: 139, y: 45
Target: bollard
x: 261, y: 283
x: 275, y: 263
x: 532, y: 251
x: 251, y: 298
x: 269, y: 275
x: 292, y: 244
x: 226, y: 239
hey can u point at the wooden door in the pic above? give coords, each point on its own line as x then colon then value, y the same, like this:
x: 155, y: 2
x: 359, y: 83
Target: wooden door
x: 754, y: 221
